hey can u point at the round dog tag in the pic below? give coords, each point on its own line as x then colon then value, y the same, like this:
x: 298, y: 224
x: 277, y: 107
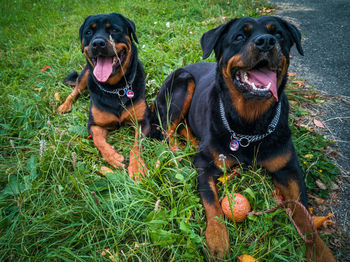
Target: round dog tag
x: 130, y: 94
x: 234, y: 145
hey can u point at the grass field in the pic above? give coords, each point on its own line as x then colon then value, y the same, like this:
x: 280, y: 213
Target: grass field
x: 54, y: 204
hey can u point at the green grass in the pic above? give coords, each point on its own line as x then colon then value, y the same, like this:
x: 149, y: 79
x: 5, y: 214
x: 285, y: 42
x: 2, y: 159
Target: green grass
x: 56, y: 207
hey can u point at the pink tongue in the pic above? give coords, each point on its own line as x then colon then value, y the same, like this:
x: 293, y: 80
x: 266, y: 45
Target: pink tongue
x: 262, y: 77
x: 103, y: 68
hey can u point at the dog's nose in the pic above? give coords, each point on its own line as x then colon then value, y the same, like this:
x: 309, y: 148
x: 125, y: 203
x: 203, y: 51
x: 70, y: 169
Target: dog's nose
x: 265, y: 42
x: 99, y: 44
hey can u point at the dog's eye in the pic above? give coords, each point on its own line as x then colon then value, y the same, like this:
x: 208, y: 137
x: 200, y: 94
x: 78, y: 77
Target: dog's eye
x: 278, y: 35
x: 88, y: 32
x: 239, y: 37
x: 115, y: 30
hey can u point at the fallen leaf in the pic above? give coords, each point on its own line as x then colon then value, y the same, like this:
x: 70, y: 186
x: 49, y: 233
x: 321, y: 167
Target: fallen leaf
x: 292, y: 74
x: 311, y: 210
x: 318, y: 123
x: 105, y: 170
x: 305, y: 126
x: 225, y: 178
x: 299, y: 83
x: 246, y: 258
x: 318, y: 200
x: 309, y: 156
x: 277, y: 196
x: 320, y: 184
x: 57, y: 96
x: 318, y: 221
x: 44, y: 68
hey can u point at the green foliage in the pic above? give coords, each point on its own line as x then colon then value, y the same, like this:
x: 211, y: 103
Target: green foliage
x: 54, y: 205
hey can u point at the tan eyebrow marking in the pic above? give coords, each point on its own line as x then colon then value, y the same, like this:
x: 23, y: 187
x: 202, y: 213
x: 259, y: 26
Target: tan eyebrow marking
x: 271, y: 27
x: 247, y: 27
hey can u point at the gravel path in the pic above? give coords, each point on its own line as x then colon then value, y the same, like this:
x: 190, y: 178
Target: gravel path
x: 326, y: 65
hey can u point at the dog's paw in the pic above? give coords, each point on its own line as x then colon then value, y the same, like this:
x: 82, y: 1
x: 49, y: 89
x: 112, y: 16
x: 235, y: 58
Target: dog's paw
x: 114, y: 159
x: 137, y: 169
x: 319, y: 251
x: 65, y: 107
x: 218, y: 241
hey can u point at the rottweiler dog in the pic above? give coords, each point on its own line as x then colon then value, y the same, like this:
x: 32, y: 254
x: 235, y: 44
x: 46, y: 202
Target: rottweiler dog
x: 238, y: 111
x: 116, y: 82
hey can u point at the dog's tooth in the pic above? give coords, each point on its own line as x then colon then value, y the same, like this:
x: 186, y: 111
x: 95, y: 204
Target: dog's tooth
x: 268, y: 86
x: 245, y: 76
x: 254, y: 87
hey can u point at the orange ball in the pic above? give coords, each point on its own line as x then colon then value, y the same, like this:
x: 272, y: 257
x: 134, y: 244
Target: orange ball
x: 240, y: 207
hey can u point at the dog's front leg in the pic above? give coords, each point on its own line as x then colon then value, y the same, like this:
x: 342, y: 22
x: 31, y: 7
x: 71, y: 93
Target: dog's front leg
x: 80, y: 86
x: 99, y: 135
x: 287, y: 177
x: 216, y: 233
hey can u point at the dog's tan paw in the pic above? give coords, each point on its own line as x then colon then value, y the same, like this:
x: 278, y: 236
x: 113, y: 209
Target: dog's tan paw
x: 137, y: 169
x: 65, y: 107
x: 114, y: 159
x: 218, y: 241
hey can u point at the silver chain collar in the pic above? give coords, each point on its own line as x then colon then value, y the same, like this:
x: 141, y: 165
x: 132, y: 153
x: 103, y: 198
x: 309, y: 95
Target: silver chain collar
x: 245, y: 140
x: 119, y: 91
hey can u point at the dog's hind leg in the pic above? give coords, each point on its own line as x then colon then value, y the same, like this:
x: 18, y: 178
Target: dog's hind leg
x: 139, y: 117
x: 173, y: 102
x: 80, y: 84
x: 287, y: 177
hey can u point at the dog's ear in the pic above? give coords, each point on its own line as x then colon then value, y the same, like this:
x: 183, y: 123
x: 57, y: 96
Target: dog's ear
x: 296, y: 35
x: 210, y: 38
x: 81, y: 31
x: 131, y: 26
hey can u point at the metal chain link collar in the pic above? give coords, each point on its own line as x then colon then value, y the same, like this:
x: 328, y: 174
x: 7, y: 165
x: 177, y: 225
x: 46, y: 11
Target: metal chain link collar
x: 245, y: 140
x: 119, y: 91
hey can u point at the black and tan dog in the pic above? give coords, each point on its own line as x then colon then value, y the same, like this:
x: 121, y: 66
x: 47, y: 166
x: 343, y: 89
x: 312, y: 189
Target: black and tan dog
x: 237, y: 108
x: 116, y: 82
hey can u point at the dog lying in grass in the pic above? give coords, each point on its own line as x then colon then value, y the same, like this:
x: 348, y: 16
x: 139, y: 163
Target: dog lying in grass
x: 237, y: 107
x: 116, y: 82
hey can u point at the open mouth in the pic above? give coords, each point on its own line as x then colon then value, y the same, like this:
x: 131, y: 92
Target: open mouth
x: 107, y: 66
x: 260, y: 81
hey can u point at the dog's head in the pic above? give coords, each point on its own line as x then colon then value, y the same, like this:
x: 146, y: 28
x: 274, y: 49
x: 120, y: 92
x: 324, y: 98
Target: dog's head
x: 253, y: 54
x: 106, y: 41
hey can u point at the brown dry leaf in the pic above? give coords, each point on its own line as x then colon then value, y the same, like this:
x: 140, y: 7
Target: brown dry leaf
x: 299, y: 83
x: 305, y: 126
x: 44, y: 68
x: 292, y: 74
x: 105, y: 170
x: 318, y: 123
x: 318, y: 200
x: 320, y: 184
x: 246, y: 258
x: 277, y: 196
x: 318, y: 221
x: 225, y: 178
x: 57, y: 96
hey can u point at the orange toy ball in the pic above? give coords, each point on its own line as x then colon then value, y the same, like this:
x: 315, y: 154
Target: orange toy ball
x: 240, y: 207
